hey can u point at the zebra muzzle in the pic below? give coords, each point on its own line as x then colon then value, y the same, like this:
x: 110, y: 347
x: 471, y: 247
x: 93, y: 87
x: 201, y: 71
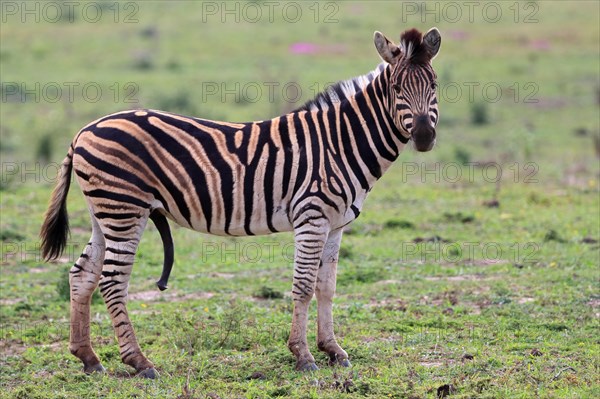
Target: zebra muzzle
x: 423, y: 139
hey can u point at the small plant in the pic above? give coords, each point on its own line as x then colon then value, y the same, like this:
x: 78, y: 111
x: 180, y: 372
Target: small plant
x: 7, y: 180
x: 479, y: 114
x: 173, y: 65
x: 359, y: 275
x: 458, y: 217
x: 462, y: 156
x: 149, y: 32
x: 179, y: 102
x: 345, y: 253
x: 398, y: 224
x: 44, y: 149
x: 11, y: 235
x: 552, y: 235
x: 266, y: 292
x: 143, y: 61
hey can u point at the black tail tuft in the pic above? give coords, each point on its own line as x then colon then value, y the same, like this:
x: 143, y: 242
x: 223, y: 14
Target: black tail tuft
x: 55, y: 229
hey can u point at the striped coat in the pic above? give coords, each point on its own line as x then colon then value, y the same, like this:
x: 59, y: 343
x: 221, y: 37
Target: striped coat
x: 308, y: 172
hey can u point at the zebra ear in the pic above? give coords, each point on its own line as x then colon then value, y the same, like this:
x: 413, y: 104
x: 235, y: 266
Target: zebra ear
x: 387, y: 50
x: 432, y: 41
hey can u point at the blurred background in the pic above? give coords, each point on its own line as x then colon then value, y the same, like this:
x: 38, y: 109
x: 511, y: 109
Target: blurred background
x: 518, y: 81
x: 475, y: 264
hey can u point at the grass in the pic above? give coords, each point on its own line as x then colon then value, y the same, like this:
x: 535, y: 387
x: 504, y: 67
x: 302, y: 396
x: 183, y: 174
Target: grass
x: 452, y: 280
x: 408, y: 313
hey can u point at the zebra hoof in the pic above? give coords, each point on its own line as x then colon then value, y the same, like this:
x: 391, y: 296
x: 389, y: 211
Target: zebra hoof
x: 334, y: 359
x: 150, y: 373
x: 96, y: 368
x: 308, y: 366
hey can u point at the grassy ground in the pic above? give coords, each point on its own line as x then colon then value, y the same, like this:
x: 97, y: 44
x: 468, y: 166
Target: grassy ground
x: 472, y: 285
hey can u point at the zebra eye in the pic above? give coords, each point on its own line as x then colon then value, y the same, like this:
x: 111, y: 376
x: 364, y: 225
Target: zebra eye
x: 396, y: 87
x: 434, y: 86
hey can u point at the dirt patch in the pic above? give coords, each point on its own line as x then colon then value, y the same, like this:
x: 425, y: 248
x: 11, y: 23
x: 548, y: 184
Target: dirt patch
x: 43, y: 374
x: 147, y: 296
x: 11, y: 301
x: 389, y: 304
x: 525, y: 300
x: 37, y: 270
x: 595, y: 303
x: 487, y: 262
x: 548, y: 103
x: 476, y: 310
x: 226, y: 276
x: 393, y: 339
x: 431, y: 363
x: 156, y: 296
x: 193, y: 295
x: 80, y: 230
x: 462, y: 277
x: 56, y: 346
x: 65, y: 259
x: 389, y: 282
x: 12, y: 347
x: 578, y: 175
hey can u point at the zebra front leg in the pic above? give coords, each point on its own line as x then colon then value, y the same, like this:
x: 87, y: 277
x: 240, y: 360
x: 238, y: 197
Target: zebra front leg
x: 118, y: 264
x: 325, y: 291
x: 83, y: 280
x: 310, y: 239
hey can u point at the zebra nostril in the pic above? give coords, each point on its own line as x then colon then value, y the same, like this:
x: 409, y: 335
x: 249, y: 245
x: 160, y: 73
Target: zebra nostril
x: 422, y: 119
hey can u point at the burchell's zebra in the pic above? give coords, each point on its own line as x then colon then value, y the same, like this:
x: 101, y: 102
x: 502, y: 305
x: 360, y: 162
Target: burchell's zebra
x: 308, y: 172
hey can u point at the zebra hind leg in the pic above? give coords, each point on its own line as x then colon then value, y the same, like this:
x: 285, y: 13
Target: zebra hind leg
x: 83, y: 280
x: 122, y: 238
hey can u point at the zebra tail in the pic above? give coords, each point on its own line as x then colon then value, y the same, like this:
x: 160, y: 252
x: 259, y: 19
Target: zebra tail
x: 55, y: 229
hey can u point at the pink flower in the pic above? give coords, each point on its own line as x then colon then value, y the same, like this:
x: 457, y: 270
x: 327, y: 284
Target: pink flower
x: 303, y: 48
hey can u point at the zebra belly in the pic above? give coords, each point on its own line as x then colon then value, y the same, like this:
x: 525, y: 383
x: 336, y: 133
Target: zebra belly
x: 237, y: 224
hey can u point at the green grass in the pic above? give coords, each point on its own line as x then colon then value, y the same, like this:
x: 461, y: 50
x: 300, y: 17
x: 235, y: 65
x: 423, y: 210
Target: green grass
x: 434, y: 286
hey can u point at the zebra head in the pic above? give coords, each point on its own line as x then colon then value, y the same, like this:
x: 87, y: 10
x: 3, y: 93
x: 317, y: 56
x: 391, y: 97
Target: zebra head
x: 412, y: 84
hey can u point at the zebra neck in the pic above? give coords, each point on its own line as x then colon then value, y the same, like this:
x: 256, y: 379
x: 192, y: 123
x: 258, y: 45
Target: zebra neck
x: 368, y: 134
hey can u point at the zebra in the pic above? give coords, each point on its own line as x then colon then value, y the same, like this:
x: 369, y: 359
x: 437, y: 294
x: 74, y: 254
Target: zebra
x: 308, y: 172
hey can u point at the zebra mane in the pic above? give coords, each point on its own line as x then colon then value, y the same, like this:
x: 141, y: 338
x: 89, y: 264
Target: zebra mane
x: 413, y: 49
x: 341, y: 91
